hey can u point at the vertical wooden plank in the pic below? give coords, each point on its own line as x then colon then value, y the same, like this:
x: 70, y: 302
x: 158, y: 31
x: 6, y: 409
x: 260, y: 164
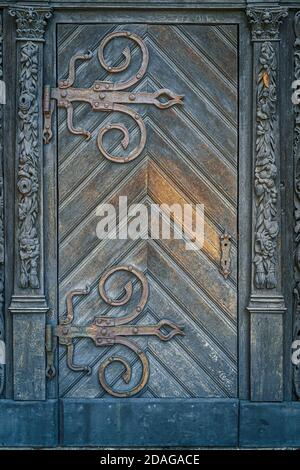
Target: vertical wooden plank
x: 28, y: 304
x: 266, y: 305
x: 266, y: 345
x: 29, y: 364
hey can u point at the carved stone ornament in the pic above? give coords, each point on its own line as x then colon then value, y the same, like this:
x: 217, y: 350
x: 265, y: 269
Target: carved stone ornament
x: 31, y: 22
x: 296, y: 155
x: 28, y: 174
x: 265, y: 179
x: 265, y: 23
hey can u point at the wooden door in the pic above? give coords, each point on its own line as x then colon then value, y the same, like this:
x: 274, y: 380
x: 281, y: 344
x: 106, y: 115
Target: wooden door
x: 190, y: 157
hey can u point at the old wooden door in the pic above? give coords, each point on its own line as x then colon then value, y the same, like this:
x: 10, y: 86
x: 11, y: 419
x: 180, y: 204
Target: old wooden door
x: 189, y: 157
x: 119, y: 119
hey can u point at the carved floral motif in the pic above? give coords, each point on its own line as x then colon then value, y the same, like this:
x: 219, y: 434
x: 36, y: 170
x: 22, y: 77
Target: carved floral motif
x: 265, y: 23
x: 31, y: 22
x: 28, y: 174
x: 266, y: 217
x: 296, y: 156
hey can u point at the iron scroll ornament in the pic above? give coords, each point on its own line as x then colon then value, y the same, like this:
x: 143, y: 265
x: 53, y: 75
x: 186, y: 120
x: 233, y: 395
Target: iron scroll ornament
x: 108, y: 331
x: 108, y: 96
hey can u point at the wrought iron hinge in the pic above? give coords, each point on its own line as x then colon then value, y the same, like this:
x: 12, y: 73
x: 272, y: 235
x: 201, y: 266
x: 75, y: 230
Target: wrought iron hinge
x: 108, y: 96
x: 110, y: 331
x: 50, y: 369
x: 225, y: 261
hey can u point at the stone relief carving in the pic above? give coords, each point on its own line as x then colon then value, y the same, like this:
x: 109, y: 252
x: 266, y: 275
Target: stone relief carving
x: 296, y: 157
x: 28, y: 174
x: 31, y: 24
x: 266, y: 217
x: 265, y: 23
x: 265, y: 29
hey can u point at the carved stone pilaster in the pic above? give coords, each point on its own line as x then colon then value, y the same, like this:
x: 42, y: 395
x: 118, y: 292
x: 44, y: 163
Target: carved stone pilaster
x: 265, y: 23
x: 31, y: 22
x: 28, y: 297
x: 296, y: 158
x: 31, y: 25
x: 266, y: 304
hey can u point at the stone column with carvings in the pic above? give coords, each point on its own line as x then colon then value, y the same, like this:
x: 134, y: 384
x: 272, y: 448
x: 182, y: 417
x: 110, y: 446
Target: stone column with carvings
x: 296, y: 158
x: 28, y: 305
x: 266, y: 304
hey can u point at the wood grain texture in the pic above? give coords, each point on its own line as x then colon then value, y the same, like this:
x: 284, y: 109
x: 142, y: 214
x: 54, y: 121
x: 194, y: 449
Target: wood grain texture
x: 190, y: 157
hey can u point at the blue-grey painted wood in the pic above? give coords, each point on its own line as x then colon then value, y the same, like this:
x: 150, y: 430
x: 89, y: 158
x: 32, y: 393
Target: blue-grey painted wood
x: 269, y: 424
x: 150, y: 422
x: 266, y: 357
x: 28, y: 423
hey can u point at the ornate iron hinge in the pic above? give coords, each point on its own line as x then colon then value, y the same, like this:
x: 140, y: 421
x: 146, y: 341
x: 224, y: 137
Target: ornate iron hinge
x: 107, y: 96
x: 108, y: 331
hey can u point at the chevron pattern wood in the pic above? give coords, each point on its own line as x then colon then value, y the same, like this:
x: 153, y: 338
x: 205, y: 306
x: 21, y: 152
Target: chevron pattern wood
x: 190, y: 157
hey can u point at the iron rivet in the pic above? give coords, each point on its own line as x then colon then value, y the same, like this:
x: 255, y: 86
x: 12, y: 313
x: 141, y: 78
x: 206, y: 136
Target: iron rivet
x: 132, y: 96
x: 137, y: 116
x: 102, y: 96
x: 64, y: 93
x: 135, y: 330
x: 104, y: 331
x: 129, y: 268
x: 138, y: 75
x: 96, y: 104
x: 107, y: 86
x: 138, y: 308
x: 105, y: 105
